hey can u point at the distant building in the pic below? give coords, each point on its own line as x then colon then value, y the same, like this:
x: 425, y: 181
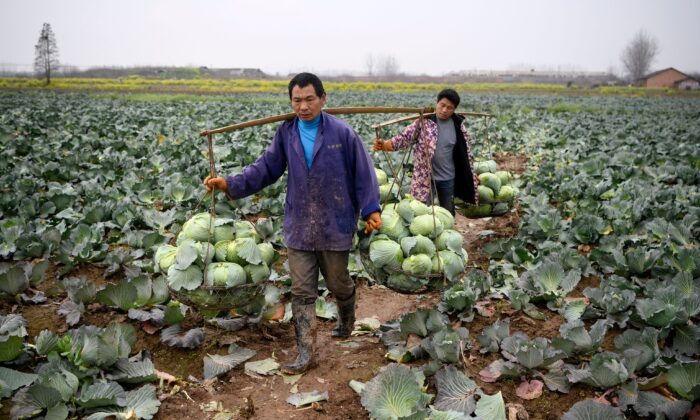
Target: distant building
x: 669, y: 78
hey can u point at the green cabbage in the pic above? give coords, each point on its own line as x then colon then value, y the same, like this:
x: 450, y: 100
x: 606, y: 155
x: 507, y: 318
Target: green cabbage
x: 449, y: 239
x: 387, y: 192
x: 225, y: 232
x: 426, y: 225
x: 506, y: 193
x: 500, y: 209
x: 485, y: 166
x: 164, y: 258
x: 486, y: 194
x: 256, y: 273
x: 392, y: 224
x: 245, y: 229
x: 385, y: 252
x: 449, y: 263
x: 381, y: 176
x: 504, y: 176
x: 418, y: 244
x: 482, y: 210
x: 417, y: 264
x: 448, y: 221
x: 267, y: 253
x: 204, y: 251
x: 225, y: 274
x: 197, y: 227
x: 243, y: 251
x: 490, y: 180
x: 220, y: 250
x: 404, y: 283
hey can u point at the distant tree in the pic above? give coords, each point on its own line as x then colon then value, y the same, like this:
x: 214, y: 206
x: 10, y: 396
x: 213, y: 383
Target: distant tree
x: 46, y: 53
x: 388, y: 66
x: 369, y: 64
x: 639, y: 54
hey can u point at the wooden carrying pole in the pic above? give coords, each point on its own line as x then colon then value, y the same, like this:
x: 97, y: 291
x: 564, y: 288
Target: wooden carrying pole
x: 413, y: 117
x: 334, y: 111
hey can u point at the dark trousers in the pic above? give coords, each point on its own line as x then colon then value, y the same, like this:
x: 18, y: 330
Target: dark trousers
x: 445, y: 191
x: 304, y: 267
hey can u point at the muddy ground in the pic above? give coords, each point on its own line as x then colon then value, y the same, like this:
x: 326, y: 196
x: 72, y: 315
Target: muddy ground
x: 238, y: 395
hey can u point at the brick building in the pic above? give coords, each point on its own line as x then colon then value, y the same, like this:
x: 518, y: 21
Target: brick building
x: 669, y: 78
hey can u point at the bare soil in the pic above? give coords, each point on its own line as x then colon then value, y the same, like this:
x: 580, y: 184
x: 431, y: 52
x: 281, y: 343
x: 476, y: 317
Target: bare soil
x: 238, y: 395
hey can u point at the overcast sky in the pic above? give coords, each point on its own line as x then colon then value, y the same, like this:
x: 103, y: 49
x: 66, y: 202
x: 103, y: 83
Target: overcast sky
x: 331, y: 36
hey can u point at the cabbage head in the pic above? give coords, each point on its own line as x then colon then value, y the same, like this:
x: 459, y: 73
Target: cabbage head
x: 197, y: 227
x: 506, y: 193
x: 449, y: 263
x: 256, y: 273
x: 267, y: 253
x: 220, y: 250
x: 224, y: 232
x: 392, y: 225
x: 449, y: 239
x: 486, y: 194
x: 417, y: 264
x: 164, y: 258
x: 485, y: 166
x: 504, y: 176
x: 225, y: 274
x: 385, y: 253
x: 205, y: 250
x: 426, y: 225
x: 404, y: 283
x: 448, y: 221
x: 245, y: 229
x: 418, y: 244
x: 500, y: 209
x: 381, y: 176
x: 490, y: 180
x: 387, y: 192
x: 243, y: 251
x: 482, y: 210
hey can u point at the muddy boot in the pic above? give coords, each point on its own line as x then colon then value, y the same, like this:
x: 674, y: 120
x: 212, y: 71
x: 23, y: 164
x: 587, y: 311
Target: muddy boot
x: 346, y: 317
x: 305, y: 329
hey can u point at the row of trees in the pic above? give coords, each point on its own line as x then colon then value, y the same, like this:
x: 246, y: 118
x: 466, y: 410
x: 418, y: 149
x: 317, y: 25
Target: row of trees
x: 637, y: 57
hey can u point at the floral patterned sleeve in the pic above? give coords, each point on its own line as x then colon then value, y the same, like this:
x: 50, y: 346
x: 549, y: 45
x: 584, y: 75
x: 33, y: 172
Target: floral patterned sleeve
x: 403, y: 140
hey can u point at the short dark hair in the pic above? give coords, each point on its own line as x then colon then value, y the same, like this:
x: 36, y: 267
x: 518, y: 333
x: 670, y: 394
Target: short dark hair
x: 305, y: 79
x: 451, y: 96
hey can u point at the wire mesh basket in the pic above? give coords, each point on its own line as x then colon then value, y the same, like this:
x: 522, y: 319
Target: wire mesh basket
x: 424, y: 282
x: 219, y: 297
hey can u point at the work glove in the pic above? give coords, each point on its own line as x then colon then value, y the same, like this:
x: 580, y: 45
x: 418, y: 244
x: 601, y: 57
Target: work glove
x: 373, y: 222
x: 380, y: 144
x: 211, y: 183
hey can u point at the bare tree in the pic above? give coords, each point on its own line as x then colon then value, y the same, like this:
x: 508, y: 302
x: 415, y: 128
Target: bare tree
x: 387, y: 65
x: 639, y: 54
x: 369, y: 64
x: 46, y: 53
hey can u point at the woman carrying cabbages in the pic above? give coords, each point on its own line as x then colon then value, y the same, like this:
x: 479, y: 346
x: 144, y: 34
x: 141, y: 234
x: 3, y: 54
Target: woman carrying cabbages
x: 443, y: 150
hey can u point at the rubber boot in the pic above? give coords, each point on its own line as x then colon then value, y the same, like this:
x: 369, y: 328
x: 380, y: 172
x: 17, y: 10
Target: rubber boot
x: 305, y: 329
x: 346, y: 317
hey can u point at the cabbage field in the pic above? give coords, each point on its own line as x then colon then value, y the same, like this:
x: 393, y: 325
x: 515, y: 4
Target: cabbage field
x: 581, y: 300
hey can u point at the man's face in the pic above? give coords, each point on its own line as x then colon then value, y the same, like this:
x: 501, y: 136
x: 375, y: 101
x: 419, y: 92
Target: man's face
x: 306, y: 104
x: 444, y: 109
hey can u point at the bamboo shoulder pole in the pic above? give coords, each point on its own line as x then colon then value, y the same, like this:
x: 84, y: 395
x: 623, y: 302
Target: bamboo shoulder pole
x: 334, y: 111
x: 413, y: 117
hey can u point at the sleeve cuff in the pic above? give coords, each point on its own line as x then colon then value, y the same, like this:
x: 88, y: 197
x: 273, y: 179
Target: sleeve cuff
x: 370, y: 209
x: 229, y: 188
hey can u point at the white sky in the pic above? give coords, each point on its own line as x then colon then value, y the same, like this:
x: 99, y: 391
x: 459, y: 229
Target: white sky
x: 331, y: 36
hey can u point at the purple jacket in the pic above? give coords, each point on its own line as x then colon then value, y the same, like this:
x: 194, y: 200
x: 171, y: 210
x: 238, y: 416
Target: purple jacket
x: 323, y: 202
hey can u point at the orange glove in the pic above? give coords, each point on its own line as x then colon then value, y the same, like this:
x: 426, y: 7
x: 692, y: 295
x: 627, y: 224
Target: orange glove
x: 374, y: 222
x: 380, y: 144
x: 218, y: 183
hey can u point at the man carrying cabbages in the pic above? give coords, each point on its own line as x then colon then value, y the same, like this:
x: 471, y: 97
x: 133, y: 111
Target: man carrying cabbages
x: 442, y: 153
x: 331, y: 181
